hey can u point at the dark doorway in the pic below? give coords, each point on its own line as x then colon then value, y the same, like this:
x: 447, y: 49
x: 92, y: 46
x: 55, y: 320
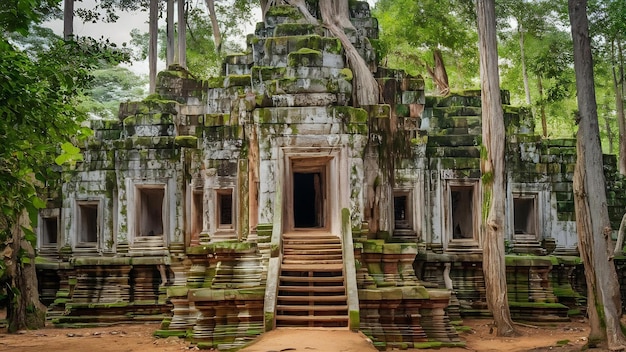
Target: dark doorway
x: 307, y: 200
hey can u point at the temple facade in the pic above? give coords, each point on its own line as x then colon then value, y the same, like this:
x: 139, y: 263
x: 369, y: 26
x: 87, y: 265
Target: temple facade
x: 264, y: 198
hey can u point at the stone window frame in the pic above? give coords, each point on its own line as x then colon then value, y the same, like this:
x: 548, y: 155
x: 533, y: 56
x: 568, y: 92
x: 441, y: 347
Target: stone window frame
x: 410, y: 206
x: 542, y: 208
x: 135, y: 217
x: 42, y: 229
x: 98, y: 203
x: 138, y: 188
x: 533, y: 198
x: 218, y: 193
x: 333, y: 160
x: 196, y: 220
x: 462, y: 243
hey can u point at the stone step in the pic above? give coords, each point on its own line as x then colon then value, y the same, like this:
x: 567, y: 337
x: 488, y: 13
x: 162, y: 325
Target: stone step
x: 314, y: 239
x: 318, y: 279
x: 305, y: 261
x: 311, y: 256
x: 309, y: 308
x: 459, y: 151
x: 454, y: 140
x: 313, y: 251
x: 319, y: 246
x: 311, y: 289
x: 304, y: 299
x: 314, y: 318
x: 312, y: 267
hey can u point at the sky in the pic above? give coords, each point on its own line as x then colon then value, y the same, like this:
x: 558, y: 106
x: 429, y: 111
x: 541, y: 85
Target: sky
x: 119, y: 32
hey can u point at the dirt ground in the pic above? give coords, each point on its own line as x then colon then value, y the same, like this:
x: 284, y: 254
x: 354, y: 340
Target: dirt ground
x: 563, y: 337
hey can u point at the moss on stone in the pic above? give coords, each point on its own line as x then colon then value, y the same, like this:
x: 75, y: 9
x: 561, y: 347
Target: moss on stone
x: 269, y: 321
x: 186, y: 141
x: 170, y: 333
x: 237, y: 81
x: 266, y: 73
x: 305, y: 57
x: 284, y: 11
x: 350, y: 114
x: 346, y: 73
x: 216, y: 82
x: 289, y: 29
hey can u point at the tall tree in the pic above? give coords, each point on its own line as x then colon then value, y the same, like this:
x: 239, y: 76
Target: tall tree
x: 68, y: 19
x: 493, y: 170
x: 153, y: 30
x: 592, y: 218
x: 169, y: 52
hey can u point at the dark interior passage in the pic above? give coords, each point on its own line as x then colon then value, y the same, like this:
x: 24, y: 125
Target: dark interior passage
x: 307, y: 202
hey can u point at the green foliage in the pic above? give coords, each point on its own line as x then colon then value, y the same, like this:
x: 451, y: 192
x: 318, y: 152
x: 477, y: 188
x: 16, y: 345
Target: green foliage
x: 110, y: 86
x: 38, y: 111
x: 410, y: 30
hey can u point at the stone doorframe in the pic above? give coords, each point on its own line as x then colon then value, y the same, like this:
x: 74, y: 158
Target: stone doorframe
x: 332, y: 163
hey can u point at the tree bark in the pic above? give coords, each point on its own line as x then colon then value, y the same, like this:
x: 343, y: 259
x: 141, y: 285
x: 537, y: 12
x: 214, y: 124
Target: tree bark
x: 592, y: 218
x: 182, y: 34
x: 618, y: 83
x: 619, y: 243
x: 493, y: 171
x: 24, y: 310
x: 153, y: 29
x: 215, y: 28
x: 68, y: 19
x: 170, y: 34
x: 439, y: 73
x: 542, y: 107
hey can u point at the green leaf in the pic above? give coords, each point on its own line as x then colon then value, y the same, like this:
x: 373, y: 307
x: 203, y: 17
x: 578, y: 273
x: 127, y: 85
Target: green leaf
x: 70, y: 148
x: 38, y: 202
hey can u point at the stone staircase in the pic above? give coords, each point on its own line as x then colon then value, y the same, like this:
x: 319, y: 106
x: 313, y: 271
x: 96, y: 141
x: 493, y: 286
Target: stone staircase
x: 312, y: 290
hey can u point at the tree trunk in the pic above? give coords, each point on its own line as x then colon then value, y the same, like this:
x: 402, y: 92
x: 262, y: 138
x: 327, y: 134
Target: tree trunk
x: 68, y: 19
x: 493, y: 171
x: 542, y: 108
x: 618, y: 84
x: 182, y: 34
x: 439, y: 74
x: 592, y: 218
x: 170, y: 34
x: 522, y: 53
x: 215, y: 28
x: 153, y: 29
x: 619, y: 243
x: 335, y: 16
x: 24, y: 310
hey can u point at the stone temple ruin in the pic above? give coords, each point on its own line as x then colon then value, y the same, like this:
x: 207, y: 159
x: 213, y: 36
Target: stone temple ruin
x: 263, y: 198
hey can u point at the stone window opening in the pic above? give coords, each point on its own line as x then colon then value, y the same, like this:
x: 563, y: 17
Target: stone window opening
x: 525, y: 215
x: 462, y: 204
x: 402, y: 211
x: 88, y: 227
x: 150, y: 206
x: 225, y: 208
x: 49, y: 230
x: 197, y: 212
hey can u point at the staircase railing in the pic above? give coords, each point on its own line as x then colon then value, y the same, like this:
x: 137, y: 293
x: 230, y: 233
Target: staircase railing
x: 349, y: 269
x: 273, y: 270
